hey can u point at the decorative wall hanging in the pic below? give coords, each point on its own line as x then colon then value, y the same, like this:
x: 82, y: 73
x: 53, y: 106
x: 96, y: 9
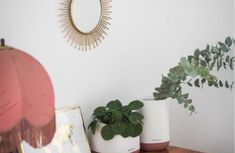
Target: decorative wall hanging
x: 26, y: 101
x: 70, y: 134
x: 78, y: 38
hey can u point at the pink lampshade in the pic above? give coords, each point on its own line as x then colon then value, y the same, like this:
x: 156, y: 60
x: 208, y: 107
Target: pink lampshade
x: 26, y: 101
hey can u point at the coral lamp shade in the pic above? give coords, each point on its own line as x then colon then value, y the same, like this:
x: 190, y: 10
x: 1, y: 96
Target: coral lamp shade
x: 26, y: 101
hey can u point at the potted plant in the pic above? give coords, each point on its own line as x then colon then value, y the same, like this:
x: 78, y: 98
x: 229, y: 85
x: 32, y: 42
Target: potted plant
x: 195, y: 71
x: 116, y: 127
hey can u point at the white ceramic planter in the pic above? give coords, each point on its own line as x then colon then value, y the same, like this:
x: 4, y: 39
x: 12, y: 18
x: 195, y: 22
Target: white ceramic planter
x: 116, y: 145
x: 156, y: 134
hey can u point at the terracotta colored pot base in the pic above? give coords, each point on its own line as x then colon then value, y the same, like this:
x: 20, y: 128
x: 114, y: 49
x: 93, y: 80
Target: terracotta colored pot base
x: 137, y: 151
x: 154, y: 146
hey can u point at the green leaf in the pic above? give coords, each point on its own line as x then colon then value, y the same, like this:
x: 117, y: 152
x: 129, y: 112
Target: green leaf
x: 207, y: 47
x: 137, y: 115
x: 92, y: 125
x: 186, y: 105
x: 210, y: 83
x: 118, y: 128
x: 221, y: 83
x: 212, y: 65
x: 184, y: 63
x: 157, y: 89
x: 185, y: 95
x: 204, y: 53
x: 189, y: 101
x: 231, y: 63
x: 203, y: 63
x: 99, y: 111
x: 203, y: 80
x: 196, y: 83
x: 223, y: 47
x: 208, y: 59
x: 133, y: 118
x: 180, y: 99
x: 225, y: 65
x: 227, y: 58
x: 216, y: 84
x: 127, y: 132
x: 190, y: 57
x: 106, y: 132
x: 228, y: 41
x: 135, y: 130
x: 135, y: 105
x: 215, y: 50
x: 218, y: 65
x: 191, y: 108
x: 232, y: 86
x: 117, y: 115
x: 190, y: 84
x: 126, y: 109
x: 114, y: 105
x: 226, y: 84
x: 196, y: 54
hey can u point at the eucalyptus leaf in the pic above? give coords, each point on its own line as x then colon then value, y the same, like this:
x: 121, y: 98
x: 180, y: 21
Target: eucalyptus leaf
x: 228, y: 41
x: 200, y: 66
x: 226, y: 84
x: 196, y: 83
x: 223, y: 47
x: 215, y: 50
x: 221, y: 83
x: 216, y: 84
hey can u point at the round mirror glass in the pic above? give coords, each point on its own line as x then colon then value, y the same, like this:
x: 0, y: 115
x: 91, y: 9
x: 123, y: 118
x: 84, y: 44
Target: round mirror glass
x: 86, y: 14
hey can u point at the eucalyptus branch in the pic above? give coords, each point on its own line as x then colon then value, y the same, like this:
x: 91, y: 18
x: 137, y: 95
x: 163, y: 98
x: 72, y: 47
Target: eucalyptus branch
x: 198, y: 69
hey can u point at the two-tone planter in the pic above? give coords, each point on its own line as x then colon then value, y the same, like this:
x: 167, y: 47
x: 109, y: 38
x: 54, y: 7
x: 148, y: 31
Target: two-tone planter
x: 117, y: 144
x: 155, y: 135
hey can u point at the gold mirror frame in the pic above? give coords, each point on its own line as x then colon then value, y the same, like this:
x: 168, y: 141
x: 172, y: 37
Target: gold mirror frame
x: 84, y: 40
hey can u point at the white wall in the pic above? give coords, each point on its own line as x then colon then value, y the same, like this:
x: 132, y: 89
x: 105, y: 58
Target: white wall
x: 145, y: 39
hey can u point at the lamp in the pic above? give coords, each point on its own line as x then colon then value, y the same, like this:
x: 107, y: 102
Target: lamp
x: 26, y: 101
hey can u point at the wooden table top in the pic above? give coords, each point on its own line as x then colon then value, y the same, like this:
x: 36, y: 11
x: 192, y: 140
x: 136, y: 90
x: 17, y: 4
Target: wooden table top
x: 173, y: 149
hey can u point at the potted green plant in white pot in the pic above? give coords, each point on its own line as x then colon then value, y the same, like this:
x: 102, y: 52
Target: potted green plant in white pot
x: 195, y: 71
x: 116, y: 128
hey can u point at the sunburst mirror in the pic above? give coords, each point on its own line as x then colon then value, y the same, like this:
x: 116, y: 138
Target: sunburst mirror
x: 85, y: 22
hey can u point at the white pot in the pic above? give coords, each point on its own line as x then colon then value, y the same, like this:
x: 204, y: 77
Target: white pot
x: 117, y: 144
x: 156, y: 131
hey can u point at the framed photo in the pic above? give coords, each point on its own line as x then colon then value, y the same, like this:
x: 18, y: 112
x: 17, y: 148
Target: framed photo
x: 70, y: 135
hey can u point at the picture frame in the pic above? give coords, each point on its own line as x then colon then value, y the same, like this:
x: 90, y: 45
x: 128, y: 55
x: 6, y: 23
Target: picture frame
x: 70, y: 135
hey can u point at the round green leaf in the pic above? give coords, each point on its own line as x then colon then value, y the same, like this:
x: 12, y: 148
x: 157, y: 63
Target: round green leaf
x: 136, y: 130
x: 135, y: 105
x: 106, y: 132
x: 127, y: 132
x: 125, y: 109
x: 137, y: 115
x: 118, y: 128
x: 117, y: 115
x: 114, y: 105
x: 99, y: 111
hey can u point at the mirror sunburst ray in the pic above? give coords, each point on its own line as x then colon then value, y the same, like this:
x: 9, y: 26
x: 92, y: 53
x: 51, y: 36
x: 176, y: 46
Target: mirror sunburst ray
x: 84, y: 40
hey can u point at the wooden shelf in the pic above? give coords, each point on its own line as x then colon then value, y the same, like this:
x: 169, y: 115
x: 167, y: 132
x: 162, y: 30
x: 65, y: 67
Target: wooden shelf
x: 173, y: 149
